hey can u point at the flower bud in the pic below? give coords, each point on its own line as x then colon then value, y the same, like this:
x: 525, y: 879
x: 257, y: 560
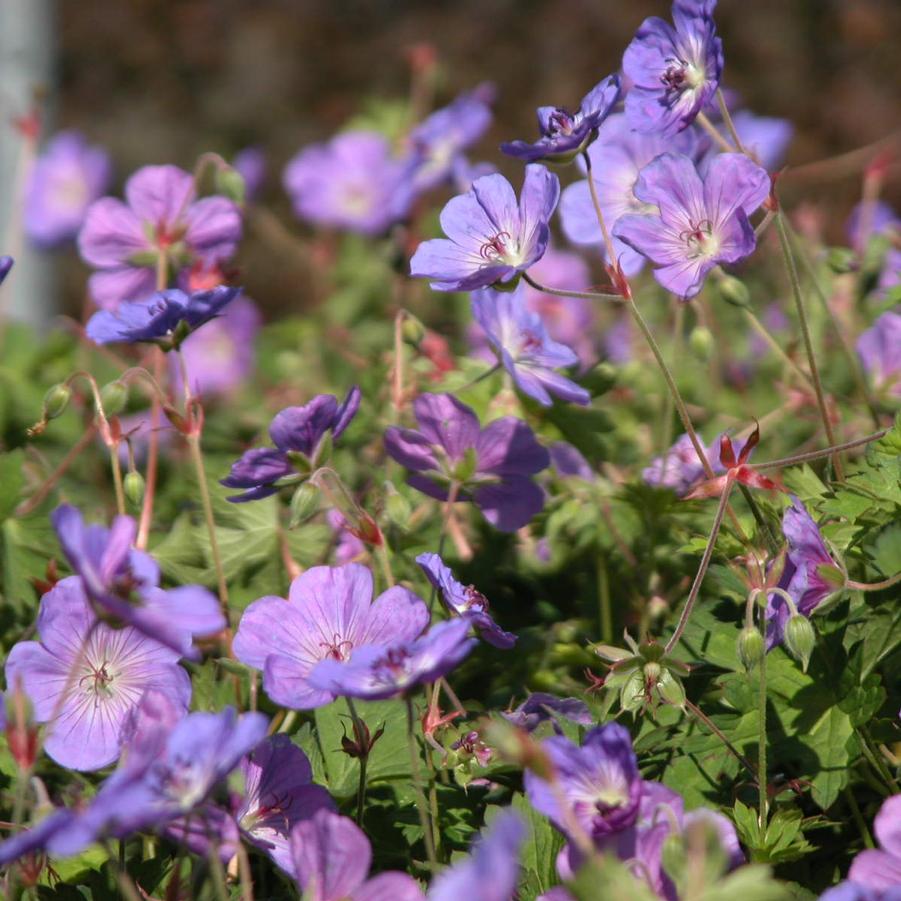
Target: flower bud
x: 304, y: 503
x: 841, y: 260
x: 671, y: 689
x: 412, y: 329
x: 133, y: 484
x: 800, y: 639
x: 733, y: 291
x: 114, y: 397
x: 397, y: 509
x: 56, y: 400
x: 700, y: 341
x: 230, y: 183
x: 751, y: 647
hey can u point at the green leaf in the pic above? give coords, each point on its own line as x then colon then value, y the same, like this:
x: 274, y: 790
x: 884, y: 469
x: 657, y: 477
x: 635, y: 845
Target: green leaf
x: 12, y: 480
x: 832, y: 740
x: 539, y: 853
x: 887, y: 551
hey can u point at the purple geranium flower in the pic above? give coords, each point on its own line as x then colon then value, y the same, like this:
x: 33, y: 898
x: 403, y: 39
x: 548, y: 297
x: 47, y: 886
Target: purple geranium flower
x: 540, y: 707
x: 699, y: 222
x: 879, y: 349
x: 491, y: 872
x: 879, y: 869
x: 123, y: 583
x: 766, y: 137
x: 492, y: 466
x: 869, y: 218
x: 298, y: 434
x: 6, y: 263
x: 564, y: 134
x: 490, y: 237
x: 250, y: 163
x: 524, y: 348
x: 464, y: 600
x: 680, y: 467
x: 803, y: 576
x: 617, y: 157
x: 439, y: 141
x: 387, y: 670
x: 569, y: 462
x: 66, y: 179
x: 332, y: 858
x: 83, y: 677
x: 329, y: 613
x: 674, y: 71
x: 166, y: 317
x: 162, y: 215
x: 352, y: 182
x: 598, y: 783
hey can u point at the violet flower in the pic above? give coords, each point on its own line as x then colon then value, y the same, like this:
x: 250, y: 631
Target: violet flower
x: 298, y: 434
x: 524, y: 349
x: 491, y: 237
x: 491, y: 871
x: 879, y: 349
x: 869, y: 218
x: 161, y: 216
x: 541, y: 707
x: 491, y: 466
x: 389, y: 669
x: 84, y: 677
x: 67, y: 178
x: 806, y: 573
x: 699, y: 222
x: 674, y: 69
x: 564, y: 134
x: 568, y: 462
x: 464, y: 600
x: 766, y: 137
x: 6, y: 263
x: 680, y: 468
x: 332, y: 858
x: 250, y: 164
x: 329, y: 613
x: 166, y: 318
x: 122, y: 583
x: 352, y: 182
x: 879, y: 869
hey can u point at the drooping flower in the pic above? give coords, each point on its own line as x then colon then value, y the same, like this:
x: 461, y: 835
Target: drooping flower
x: 598, y: 784
x: 298, y: 434
x: 617, y: 157
x: 6, y: 263
x: 524, y: 348
x: 674, y: 69
x: 352, y: 182
x: 879, y: 869
x: 388, y: 670
x: 491, y: 871
x: 166, y: 318
x: 806, y: 576
x: 83, y: 677
x: 439, y: 141
x: 491, y: 237
x: 540, y: 707
x: 122, y: 583
x: 66, y: 179
x: 329, y: 613
x: 699, y: 222
x: 161, y: 216
x: 492, y: 466
x: 564, y: 134
x: 331, y: 860
x: 680, y: 468
x: 879, y: 349
x: 464, y: 600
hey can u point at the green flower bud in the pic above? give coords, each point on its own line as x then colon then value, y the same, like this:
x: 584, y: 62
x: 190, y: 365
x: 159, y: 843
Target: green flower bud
x: 700, y: 342
x: 733, y: 291
x: 133, y: 486
x: 304, y: 503
x: 800, y: 639
x: 230, y: 183
x: 841, y: 260
x: 670, y: 689
x: 114, y: 397
x: 56, y: 400
x: 412, y: 329
x: 397, y: 509
x: 751, y: 647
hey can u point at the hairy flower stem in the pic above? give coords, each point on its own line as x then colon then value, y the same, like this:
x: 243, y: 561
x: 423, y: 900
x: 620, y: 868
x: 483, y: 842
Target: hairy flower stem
x: 359, y: 734
x: 606, y: 613
x: 789, y: 259
x: 730, y: 125
x: 762, y: 787
x: 702, y: 569
x: 592, y: 189
x: 421, y: 803
x: 560, y: 292
x: 825, y: 452
x: 874, y: 586
x: 117, y: 480
x: 217, y: 873
x: 712, y: 130
x: 775, y: 346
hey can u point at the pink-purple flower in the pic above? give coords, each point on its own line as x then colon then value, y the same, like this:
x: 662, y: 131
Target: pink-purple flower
x: 879, y: 869
x: 491, y: 237
x: 329, y: 613
x: 6, y: 264
x: 680, y: 468
x: 879, y: 349
x: 491, y: 466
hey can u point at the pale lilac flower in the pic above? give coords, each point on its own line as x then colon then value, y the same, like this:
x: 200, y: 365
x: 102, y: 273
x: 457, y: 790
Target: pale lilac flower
x: 869, y: 218
x: 161, y: 215
x: 674, y: 69
x: 565, y: 134
x: 84, y: 677
x: 764, y: 136
x: 879, y: 869
x: 567, y: 461
x: 879, y: 349
x: 352, y: 182
x: 329, y: 613
x: 618, y: 341
x: 331, y: 861
x: 6, y: 263
x: 541, y: 707
x: 390, y: 669
x: 491, y: 237
x: 617, y: 157
x: 492, y: 465
x: 464, y: 600
x: 852, y: 891
x: 67, y: 178
x: 699, y: 223
x: 524, y: 348
x: 123, y: 583
x: 298, y: 434
x: 491, y: 871
x: 250, y: 163
x: 348, y: 547
x: 680, y: 468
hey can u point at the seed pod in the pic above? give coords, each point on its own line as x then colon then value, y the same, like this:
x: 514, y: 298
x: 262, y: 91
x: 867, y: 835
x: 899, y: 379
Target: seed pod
x: 734, y: 291
x: 56, y: 400
x: 700, y: 341
x: 114, y: 397
x: 133, y: 485
x: 751, y: 647
x: 304, y: 503
x: 800, y: 639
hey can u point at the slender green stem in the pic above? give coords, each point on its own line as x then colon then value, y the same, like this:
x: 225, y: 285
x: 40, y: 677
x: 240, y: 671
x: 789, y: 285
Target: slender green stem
x: 711, y: 129
x: 775, y: 346
x: 762, y: 785
x: 877, y: 761
x: 858, y: 818
x: 559, y: 292
x: 595, y: 200
x: 825, y: 452
x: 712, y: 726
x: 217, y: 873
x: 789, y: 259
x: 381, y: 555
x: 874, y: 586
x: 669, y: 405
x: 117, y: 479
x: 421, y: 803
x: 605, y: 610
x: 730, y: 125
x: 759, y: 518
x: 359, y: 734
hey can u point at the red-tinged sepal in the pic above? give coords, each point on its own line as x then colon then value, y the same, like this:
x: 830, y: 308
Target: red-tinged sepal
x: 727, y: 454
x: 710, y: 488
x: 753, y: 479
x: 750, y: 444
